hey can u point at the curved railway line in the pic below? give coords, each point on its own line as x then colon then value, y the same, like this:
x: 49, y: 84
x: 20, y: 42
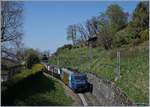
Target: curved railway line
x: 80, y: 95
x: 83, y: 99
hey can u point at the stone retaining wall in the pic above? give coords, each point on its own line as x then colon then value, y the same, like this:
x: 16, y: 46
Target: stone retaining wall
x: 107, y: 93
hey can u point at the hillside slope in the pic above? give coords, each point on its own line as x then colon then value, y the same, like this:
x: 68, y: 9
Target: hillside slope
x: 133, y: 66
x: 37, y: 90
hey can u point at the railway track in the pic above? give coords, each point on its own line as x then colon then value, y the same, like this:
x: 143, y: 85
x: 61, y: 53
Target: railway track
x: 81, y: 95
x: 83, y: 99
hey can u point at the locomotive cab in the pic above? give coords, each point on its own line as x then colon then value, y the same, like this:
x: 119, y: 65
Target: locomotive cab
x: 75, y: 80
x: 79, y: 82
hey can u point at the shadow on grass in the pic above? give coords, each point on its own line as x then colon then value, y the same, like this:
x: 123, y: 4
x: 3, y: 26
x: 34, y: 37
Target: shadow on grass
x: 32, y: 91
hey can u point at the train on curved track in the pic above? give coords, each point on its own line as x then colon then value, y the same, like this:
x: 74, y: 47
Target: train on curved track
x: 75, y: 80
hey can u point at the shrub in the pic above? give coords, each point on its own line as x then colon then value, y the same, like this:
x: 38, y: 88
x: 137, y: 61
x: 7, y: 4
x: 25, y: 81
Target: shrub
x: 36, y: 69
x: 19, y: 82
x: 69, y: 46
x: 136, y: 41
x: 66, y: 46
x: 144, y: 35
x: 32, y: 59
x: 123, y: 37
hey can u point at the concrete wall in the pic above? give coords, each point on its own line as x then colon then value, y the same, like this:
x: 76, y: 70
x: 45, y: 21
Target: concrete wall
x: 106, y: 92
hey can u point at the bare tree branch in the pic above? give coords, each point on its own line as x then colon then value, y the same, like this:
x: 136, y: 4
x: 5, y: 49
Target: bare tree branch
x: 11, y: 27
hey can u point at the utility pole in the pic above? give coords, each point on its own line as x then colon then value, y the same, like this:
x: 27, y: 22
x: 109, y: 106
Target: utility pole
x: 90, y: 55
x: 117, y: 71
x: 58, y: 60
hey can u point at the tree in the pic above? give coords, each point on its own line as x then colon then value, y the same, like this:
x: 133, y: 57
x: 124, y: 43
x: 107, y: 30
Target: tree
x: 92, y: 27
x: 32, y: 59
x: 29, y: 51
x: 19, y: 49
x: 83, y: 32
x: 71, y: 33
x: 118, y: 18
x: 104, y: 34
x: 140, y: 19
x: 11, y: 27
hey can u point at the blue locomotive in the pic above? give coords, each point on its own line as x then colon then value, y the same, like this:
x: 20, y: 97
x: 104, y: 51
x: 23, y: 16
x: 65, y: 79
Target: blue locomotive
x: 73, y: 79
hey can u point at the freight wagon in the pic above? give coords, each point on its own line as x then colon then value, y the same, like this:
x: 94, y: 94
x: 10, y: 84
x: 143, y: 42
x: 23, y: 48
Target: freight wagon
x: 53, y: 70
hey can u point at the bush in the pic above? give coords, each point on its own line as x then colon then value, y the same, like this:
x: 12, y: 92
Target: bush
x: 32, y: 59
x: 123, y: 37
x: 69, y: 46
x: 19, y: 82
x: 36, y: 90
x: 66, y: 46
x: 36, y: 69
x: 144, y: 35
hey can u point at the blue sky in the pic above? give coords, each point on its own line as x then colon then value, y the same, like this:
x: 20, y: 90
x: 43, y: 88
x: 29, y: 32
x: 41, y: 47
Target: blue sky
x: 46, y: 22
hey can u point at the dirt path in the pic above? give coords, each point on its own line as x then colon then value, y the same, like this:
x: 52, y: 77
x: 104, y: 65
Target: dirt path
x: 68, y: 92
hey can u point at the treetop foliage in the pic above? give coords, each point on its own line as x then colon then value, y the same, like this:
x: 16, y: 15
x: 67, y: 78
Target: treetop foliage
x: 113, y: 28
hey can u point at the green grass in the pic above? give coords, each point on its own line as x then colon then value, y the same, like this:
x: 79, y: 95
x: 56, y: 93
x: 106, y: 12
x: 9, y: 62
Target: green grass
x: 36, y: 91
x: 134, y: 67
x: 25, y: 74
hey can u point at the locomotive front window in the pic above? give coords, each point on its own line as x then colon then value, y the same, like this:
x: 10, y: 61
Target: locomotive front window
x: 79, y: 78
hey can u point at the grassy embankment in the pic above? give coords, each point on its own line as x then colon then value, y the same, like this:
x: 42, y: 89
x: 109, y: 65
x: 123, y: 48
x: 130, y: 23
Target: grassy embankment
x: 134, y: 67
x: 32, y: 88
